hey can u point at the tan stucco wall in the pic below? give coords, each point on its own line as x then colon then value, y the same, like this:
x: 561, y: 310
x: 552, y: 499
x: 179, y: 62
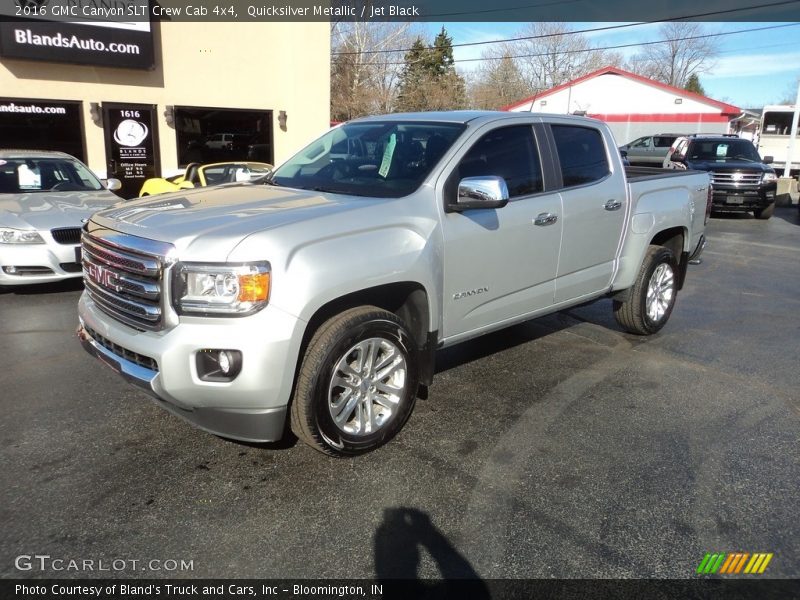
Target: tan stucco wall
x: 267, y: 66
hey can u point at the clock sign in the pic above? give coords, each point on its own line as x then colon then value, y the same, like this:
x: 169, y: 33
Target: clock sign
x: 130, y: 133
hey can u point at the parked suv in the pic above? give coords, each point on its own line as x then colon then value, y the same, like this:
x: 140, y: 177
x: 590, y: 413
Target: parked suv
x: 651, y: 149
x: 742, y: 180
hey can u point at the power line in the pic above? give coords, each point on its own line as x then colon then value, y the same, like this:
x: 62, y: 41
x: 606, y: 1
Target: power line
x: 631, y: 45
x: 590, y: 30
x: 618, y: 46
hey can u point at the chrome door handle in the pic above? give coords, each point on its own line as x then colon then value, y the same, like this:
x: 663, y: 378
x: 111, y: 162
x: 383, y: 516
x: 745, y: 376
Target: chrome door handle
x: 545, y: 219
x: 612, y: 205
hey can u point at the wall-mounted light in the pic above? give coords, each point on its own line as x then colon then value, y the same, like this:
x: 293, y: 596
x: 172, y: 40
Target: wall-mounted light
x: 282, y: 120
x: 169, y: 115
x: 678, y: 100
x: 96, y: 112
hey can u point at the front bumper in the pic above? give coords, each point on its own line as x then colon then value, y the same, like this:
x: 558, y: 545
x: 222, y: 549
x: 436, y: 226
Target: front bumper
x: 38, y: 263
x: 742, y: 199
x: 250, y: 408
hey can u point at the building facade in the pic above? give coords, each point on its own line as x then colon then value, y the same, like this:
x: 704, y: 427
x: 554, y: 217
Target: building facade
x: 634, y: 106
x: 200, y: 92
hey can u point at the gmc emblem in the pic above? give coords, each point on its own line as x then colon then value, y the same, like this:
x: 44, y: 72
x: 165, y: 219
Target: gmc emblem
x: 102, y: 276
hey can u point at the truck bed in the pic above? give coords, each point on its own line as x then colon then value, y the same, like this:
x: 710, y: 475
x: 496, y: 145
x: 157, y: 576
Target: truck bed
x: 645, y: 173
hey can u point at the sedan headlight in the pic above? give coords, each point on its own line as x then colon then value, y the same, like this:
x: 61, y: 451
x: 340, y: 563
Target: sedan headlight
x: 19, y: 236
x: 767, y: 177
x: 220, y: 290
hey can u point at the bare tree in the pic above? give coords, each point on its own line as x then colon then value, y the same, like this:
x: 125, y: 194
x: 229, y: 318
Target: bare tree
x: 364, y: 81
x: 675, y: 60
x: 556, y: 56
x: 498, y: 81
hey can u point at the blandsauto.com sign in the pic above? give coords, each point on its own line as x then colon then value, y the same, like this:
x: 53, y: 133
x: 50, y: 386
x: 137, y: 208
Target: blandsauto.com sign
x: 31, y: 29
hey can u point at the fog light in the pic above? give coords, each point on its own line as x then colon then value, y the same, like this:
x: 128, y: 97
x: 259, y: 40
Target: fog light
x: 224, y: 361
x: 218, y: 365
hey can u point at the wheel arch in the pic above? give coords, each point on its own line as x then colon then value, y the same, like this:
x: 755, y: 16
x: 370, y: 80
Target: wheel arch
x: 408, y: 300
x: 676, y: 239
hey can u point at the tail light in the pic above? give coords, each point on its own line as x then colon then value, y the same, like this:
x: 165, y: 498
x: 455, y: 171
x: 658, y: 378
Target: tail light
x: 708, y: 202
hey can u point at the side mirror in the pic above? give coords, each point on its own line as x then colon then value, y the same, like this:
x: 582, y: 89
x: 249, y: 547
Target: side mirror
x: 112, y: 184
x: 623, y: 153
x: 480, y: 192
x: 768, y: 160
x: 676, y: 157
x: 185, y: 185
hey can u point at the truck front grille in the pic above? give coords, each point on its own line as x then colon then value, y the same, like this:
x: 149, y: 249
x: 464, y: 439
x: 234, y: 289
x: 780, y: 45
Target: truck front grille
x: 735, y: 178
x: 124, y: 283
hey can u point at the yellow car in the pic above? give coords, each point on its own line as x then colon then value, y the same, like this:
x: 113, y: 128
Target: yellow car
x: 197, y: 175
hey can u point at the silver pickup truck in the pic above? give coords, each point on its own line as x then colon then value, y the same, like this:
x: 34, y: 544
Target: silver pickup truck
x: 325, y: 291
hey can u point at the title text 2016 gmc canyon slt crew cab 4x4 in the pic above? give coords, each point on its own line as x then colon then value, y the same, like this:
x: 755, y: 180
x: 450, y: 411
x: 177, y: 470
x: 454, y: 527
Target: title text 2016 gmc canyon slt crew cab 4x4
x: 325, y: 292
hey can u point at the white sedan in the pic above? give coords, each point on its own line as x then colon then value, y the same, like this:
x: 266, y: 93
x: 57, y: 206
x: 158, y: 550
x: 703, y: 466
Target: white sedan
x: 44, y: 199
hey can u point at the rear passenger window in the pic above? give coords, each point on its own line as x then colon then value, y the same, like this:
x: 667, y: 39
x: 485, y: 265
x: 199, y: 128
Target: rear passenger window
x: 581, y: 154
x: 507, y: 152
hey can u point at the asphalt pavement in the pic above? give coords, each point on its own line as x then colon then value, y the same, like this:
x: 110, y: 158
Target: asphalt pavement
x: 559, y: 448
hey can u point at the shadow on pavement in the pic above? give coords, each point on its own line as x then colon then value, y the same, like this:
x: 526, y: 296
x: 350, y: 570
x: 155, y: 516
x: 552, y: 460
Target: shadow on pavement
x: 399, y: 541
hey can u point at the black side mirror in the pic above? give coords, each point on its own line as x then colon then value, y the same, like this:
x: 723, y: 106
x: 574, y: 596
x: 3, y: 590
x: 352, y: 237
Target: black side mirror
x: 480, y: 192
x: 768, y: 160
x: 676, y: 157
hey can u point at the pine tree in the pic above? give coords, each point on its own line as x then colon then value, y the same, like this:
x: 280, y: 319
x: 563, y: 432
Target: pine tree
x: 693, y: 85
x: 429, y: 80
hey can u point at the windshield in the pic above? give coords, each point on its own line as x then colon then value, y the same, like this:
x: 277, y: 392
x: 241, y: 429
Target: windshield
x: 723, y: 150
x: 21, y: 175
x: 387, y: 159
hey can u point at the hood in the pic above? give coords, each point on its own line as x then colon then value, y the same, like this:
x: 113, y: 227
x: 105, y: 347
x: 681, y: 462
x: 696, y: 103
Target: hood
x: 729, y: 165
x: 215, y: 219
x: 47, y: 210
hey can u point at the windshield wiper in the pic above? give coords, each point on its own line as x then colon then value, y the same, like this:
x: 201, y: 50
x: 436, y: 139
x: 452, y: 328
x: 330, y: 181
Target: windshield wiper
x: 322, y: 188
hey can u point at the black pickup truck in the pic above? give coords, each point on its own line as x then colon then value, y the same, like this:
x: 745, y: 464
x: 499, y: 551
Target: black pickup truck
x: 742, y: 180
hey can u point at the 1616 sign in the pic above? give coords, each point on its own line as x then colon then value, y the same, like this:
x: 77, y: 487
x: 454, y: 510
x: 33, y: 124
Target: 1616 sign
x: 131, y: 145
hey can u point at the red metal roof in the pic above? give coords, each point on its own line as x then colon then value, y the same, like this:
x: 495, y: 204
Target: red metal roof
x: 725, y: 109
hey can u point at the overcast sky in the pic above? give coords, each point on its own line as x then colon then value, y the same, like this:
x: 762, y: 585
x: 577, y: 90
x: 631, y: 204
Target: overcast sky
x: 752, y: 69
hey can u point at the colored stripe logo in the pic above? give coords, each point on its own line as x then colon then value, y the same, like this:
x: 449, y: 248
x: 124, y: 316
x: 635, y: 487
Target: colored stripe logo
x: 734, y: 563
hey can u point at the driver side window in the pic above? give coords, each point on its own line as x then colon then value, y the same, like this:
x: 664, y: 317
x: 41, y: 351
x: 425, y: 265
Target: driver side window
x: 507, y: 152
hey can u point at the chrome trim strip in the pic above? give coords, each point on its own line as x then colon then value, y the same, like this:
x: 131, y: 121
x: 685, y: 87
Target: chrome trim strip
x: 118, y: 259
x: 137, y: 322
x: 128, y: 284
x: 130, y: 243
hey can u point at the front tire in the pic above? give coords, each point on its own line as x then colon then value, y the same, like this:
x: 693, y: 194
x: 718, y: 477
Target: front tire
x: 357, y: 384
x: 652, y: 297
x: 765, y: 213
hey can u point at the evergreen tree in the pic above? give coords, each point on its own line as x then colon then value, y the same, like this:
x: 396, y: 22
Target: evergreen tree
x: 693, y: 85
x: 429, y: 80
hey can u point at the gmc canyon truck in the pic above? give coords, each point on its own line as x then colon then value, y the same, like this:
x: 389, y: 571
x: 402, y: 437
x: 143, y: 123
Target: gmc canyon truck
x: 317, y: 299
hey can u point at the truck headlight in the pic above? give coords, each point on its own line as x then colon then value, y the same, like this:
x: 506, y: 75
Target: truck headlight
x: 767, y: 177
x: 220, y: 290
x: 19, y: 236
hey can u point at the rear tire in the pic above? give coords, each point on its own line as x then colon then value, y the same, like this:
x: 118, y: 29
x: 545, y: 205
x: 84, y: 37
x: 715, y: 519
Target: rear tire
x: 357, y: 384
x: 652, y: 296
x: 765, y: 213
